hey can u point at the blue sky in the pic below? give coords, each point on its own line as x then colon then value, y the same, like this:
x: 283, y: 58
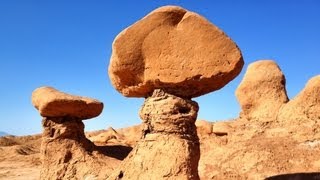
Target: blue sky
x: 67, y: 45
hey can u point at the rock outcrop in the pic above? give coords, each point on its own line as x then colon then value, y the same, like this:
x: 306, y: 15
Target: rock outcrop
x: 170, y: 146
x: 175, y: 50
x: 262, y: 91
x: 169, y: 57
x: 306, y: 105
x: 66, y: 152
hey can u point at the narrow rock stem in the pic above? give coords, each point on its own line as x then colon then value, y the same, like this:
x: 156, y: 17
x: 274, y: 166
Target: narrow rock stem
x: 169, y: 148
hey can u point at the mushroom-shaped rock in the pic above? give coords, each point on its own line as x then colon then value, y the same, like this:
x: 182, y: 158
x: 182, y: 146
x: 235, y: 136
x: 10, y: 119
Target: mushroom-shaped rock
x: 53, y: 103
x: 65, y: 150
x: 175, y: 50
x: 306, y: 105
x: 262, y: 91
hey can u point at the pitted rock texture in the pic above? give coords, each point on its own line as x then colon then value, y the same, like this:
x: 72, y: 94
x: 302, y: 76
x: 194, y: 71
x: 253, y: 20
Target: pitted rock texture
x: 262, y: 91
x: 53, y: 103
x: 166, y: 113
x: 68, y: 154
x: 169, y: 148
x: 175, y: 50
x: 306, y: 105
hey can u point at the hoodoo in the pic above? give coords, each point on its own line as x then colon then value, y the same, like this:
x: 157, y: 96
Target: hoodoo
x: 66, y: 152
x: 169, y: 57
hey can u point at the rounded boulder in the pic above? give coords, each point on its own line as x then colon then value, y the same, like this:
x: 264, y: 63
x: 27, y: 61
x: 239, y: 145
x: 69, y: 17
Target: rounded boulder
x: 53, y: 103
x: 176, y: 50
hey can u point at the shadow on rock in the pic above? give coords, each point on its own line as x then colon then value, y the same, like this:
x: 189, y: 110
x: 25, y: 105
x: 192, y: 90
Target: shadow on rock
x: 296, y: 176
x: 116, y: 151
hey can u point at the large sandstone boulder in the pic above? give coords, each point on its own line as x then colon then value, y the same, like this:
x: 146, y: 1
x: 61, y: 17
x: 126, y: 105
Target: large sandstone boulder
x: 175, y: 50
x: 262, y: 91
x: 53, y: 103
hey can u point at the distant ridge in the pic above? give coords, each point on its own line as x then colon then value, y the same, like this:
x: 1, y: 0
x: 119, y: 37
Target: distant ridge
x: 3, y: 133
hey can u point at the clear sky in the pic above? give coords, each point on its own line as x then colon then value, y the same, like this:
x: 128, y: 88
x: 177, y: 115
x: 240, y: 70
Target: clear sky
x: 67, y: 45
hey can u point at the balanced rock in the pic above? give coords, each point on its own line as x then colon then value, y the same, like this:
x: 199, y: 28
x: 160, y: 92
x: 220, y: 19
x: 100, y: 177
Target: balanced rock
x: 53, y: 103
x: 175, y: 50
x: 305, y: 106
x: 66, y: 153
x: 262, y: 91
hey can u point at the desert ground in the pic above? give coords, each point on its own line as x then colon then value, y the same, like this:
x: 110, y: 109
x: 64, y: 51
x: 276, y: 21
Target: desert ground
x: 234, y: 149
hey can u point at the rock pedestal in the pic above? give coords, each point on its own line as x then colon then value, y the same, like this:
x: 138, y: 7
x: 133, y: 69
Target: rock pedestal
x: 66, y: 152
x: 169, y: 148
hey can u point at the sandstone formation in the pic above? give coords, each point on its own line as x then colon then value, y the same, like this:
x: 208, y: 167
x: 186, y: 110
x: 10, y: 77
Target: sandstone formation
x: 169, y: 57
x: 108, y: 136
x: 221, y: 128
x: 66, y: 152
x: 304, y: 111
x: 170, y: 146
x: 306, y: 105
x: 175, y: 50
x: 53, y: 103
x: 262, y: 91
x: 204, y: 127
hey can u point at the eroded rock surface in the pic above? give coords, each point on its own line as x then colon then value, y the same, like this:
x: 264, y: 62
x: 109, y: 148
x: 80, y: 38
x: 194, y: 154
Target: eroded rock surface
x: 66, y: 152
x: 306, y: 105
x: 262, y: 91
x: 175, y: 50
x: 53, y: 103
x: 169, y: 148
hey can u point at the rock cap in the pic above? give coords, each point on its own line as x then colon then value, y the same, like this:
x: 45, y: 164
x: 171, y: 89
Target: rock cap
x: 176, y: 50
x: 53, y: 103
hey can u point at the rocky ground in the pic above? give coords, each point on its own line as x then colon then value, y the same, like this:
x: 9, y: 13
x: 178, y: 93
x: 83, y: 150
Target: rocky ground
x: 235, y: 149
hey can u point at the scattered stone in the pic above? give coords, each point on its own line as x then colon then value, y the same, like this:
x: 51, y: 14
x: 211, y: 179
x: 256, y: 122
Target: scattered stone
x: 53, y: 103
x: 221, y: 128
x: 175, y: 50
x: 262, y: 91
x: 203, y: 127
x: 106, y: 136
